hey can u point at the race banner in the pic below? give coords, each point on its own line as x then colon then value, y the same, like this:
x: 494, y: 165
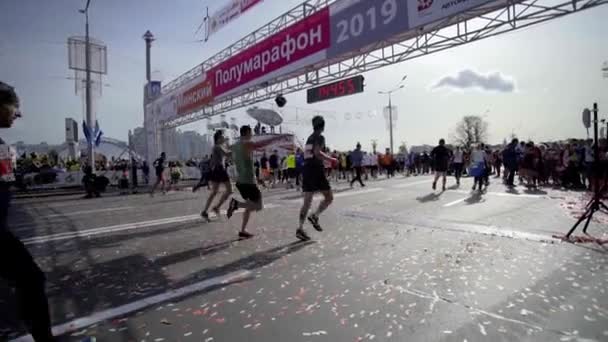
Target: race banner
x: 228, y: 13
x: 423, y: 12
x: 295, y: 47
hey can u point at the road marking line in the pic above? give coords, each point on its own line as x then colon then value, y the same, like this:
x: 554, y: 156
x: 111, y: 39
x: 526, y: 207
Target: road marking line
x: 504, y: 194
x: 121, y: 227
x: 491, y: 230
x: 406, y: 185
x: 346, y: 193
x: 451, y: 204
x: 76, y: 213
x: 358, y: 192
x: 106, y: 315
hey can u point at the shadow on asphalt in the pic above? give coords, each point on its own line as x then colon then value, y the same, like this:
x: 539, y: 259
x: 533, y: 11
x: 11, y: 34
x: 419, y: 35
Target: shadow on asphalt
x: 536, y: 191
x: 475, y: 198
x: 78, y: 286
x: 430, y: 197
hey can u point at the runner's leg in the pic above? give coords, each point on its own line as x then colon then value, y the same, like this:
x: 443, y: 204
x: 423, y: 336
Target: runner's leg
x: 225, y: 196
x: 328, y: 198
x: 305, y: 207
x: 249, y: 206
x: 214, y: 187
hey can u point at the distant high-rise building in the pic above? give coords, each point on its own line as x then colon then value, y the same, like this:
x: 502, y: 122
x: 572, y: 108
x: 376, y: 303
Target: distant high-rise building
x: 138, y: 140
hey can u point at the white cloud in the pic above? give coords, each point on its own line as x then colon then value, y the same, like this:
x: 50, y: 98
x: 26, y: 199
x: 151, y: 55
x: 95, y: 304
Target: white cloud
x: 467, y: 79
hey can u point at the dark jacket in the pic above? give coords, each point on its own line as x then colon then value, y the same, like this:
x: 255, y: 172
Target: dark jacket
x: 510, y: 157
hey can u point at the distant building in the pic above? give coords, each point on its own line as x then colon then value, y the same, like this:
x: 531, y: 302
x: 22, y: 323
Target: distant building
x: 191, y: 144
x: 138, y: 139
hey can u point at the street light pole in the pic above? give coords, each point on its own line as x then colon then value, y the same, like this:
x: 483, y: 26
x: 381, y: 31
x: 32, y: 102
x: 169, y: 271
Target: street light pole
x: 88, y: 104
x: 390, y: 109
x: 390, y: 120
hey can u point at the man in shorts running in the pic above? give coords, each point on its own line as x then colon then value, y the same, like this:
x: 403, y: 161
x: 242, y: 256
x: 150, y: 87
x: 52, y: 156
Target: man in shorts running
x: 159, y: 167
x: 313, y: 178
x: 242, y: 156
x: 441, y: 157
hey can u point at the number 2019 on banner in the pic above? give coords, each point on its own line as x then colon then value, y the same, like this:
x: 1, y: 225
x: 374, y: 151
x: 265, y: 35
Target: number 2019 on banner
x: 384, y: 12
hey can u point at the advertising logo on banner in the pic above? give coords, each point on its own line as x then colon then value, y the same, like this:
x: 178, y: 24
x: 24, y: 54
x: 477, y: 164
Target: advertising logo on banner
x: 301, y: 44
x: 422, y: 12
x: 228, y: 13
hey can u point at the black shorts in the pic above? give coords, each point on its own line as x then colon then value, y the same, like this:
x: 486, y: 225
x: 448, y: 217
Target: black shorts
x: 219, y: 175
x: 249, y: 192
x: 314, y: 179
x: 441, y: 167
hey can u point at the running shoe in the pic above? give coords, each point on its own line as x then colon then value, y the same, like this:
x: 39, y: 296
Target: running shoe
x: 301, y: 234
x: 232, y: 207
x: 314, y: 220
x: 205, y: 216
x: 245, y: 235
x: 216, y: 211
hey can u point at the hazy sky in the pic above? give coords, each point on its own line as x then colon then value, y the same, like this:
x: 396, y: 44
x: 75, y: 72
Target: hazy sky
x: 534, y: 82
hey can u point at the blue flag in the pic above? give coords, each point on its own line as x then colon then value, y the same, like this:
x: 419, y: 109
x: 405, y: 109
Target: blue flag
x: 86, y: 131
x: 98, y: 134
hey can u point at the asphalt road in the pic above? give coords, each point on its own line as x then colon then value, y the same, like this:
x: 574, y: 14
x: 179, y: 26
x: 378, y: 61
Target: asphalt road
x: 396, y: 262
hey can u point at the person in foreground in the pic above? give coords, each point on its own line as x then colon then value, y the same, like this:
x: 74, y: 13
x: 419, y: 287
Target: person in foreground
x: 17, y: 265
x: 314, y: 179
x: 242, y: 155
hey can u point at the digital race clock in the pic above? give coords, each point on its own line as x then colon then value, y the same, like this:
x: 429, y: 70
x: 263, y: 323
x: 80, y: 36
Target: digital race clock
x: 349, y: 86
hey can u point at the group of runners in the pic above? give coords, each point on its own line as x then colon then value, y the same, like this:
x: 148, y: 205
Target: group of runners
x: 314, y: 178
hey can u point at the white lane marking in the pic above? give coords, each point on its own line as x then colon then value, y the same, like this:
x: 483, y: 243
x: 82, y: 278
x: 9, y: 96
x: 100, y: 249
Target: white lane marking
x: 106, y: 315
x: 121, y: 227
x: 492, y: 230
x: 504, y: 194
x: 346, y: 193
x: 76, y: 213
x: 358, y: 192
x: 110, y: 229
x: 455, y: 202
x: 406, y: 185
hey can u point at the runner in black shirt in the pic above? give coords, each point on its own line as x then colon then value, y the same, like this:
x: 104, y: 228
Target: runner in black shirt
x: 17, y: 265
x: 159, y: 167
x: 313, y: 178
x: 440, y: 157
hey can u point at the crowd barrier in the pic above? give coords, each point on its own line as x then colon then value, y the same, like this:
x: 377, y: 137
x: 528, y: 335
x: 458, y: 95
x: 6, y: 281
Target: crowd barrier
x: 69, y: 179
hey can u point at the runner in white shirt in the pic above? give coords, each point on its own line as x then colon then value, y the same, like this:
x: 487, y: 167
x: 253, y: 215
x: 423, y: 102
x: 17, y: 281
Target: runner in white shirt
x: 457, y: 163
x: 374, y: 165
x: 367, y: 164
x: 479, y: 159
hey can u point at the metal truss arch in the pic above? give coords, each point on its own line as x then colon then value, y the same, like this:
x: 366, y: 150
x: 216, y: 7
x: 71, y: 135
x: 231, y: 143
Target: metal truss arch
x: 463, y: 29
